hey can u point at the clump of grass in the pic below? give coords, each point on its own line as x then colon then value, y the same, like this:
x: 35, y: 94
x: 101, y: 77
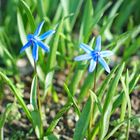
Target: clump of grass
x: 94, y: 95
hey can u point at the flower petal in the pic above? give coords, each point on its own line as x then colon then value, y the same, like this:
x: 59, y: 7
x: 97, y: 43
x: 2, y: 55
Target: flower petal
x: 104, y: 64
x: 85, y: 47
x: 43, y: 46
x: 92, y: 65
x: 28, y: 44
x: 106, y: 53
x: 38, y: 30
x: 35, y: 51
x: 83, y: 57
x: 46, y: 34
x: 98, y: 43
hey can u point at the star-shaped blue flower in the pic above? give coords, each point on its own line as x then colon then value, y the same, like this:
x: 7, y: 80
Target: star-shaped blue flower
x: 36, y: 41
x: 95, y: 55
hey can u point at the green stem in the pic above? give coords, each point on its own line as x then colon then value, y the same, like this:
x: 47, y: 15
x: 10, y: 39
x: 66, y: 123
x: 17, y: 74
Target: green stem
x: 91, y: 116
x: 94, y: 89
x: 1, y: 134
x: 39, y: 100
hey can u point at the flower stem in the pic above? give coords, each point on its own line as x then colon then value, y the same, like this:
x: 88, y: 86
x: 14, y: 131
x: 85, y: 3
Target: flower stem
x: 94, y: 90
x: 38, y: 99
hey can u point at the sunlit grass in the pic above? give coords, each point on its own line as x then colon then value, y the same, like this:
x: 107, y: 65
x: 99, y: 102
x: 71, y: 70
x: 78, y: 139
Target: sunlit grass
x: 95, y: 96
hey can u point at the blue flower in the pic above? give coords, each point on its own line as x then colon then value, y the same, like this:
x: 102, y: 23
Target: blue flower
x: 36, y: 41
x: 95, y: 55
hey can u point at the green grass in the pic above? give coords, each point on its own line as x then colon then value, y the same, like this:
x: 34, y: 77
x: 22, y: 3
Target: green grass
x: 75, y: 22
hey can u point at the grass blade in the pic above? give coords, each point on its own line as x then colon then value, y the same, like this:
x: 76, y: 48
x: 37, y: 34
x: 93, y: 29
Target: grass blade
x: 118, y: 126
x: 51, y: 137
x: 83, y: 122
x: 132, y: 85
x: 72, y: 99
x: 104, y: 122
x: 28, y: 12
x: 37, y: 123
x: 86, y: 20
x: 58, y: 116
x: 17, y: 95
x: 125, y: 85
x: 52, y: 57
x: 3, y: 118
x: 33, y: 93
x: 97, y: 101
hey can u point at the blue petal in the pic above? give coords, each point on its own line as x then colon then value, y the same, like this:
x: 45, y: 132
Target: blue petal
x: 30, y: 36
x: 106, y: 53
x: 38, y: 30
x: 92, y: 65
x: 28, y: 44
x: 83, y: 57
x: 43, y: 46
x: 35, y: 51
x: 85, y: 47
x: 98, y: 43
x: 104, y: 64
x: 48, y: 33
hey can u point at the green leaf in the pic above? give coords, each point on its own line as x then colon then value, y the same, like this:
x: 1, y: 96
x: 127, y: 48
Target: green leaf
x: 105, y: 118
x: 3, y: 118
x: 100, y: 93
x: 52, y: 57
x: 74, y: 7
x: 88, y: 84
x: 125, y: 84
x: 50, y: 137
x: 17, y: 94
x: 71, y: 6
x: 106, y: 82
x: 118, y: 126
x: 87, y: 19
x: 65, y: 7
x: 119, y: 98
x: 37, y: 123
x: 48, y: 83
x: 123, y: 108
x: 40, y: 9
x: 124, y: 14
x: 58, y: 116
x: 97, y: 101
x: 28, y: 13
x: 23, y: 36
x: 100, y: 5
x: 36, y: 114
x: 4, y: 52
x: 71, y: 98
x: 33, y: 93
x: 4, y: 115
x: 83, y: 122
x: 97, y: 16
x: 115, y: 8
x: 118, y: 41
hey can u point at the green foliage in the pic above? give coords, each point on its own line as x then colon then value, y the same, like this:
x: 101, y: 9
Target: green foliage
x: 58, y: 116
x: 33, y: 93
x: 75, y: 22
x: 17, y: 94
x: 104, y: 122
x: 3, y: 118
x: 83, y: 122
